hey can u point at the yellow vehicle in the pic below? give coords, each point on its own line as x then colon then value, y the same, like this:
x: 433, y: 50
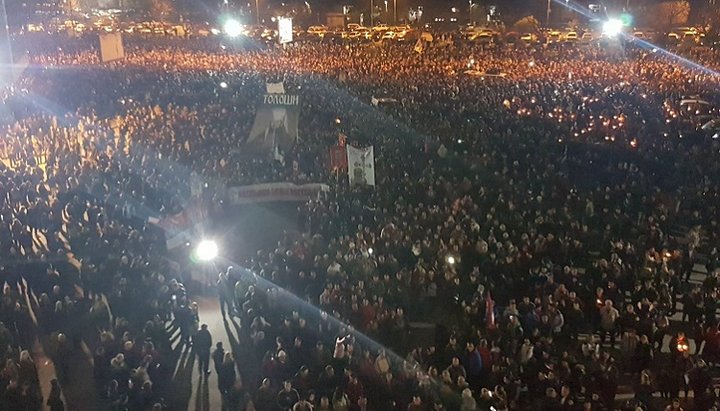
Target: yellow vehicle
x: 481, y: 37
x: 528, y: 38
x: 319, y: 31
x: 554, y: 36
x: 389, y: 35
x: 35, y: 28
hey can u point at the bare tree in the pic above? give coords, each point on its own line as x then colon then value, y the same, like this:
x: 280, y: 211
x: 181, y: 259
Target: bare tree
x: 71, y: 6
x: 528, y: 24
x: 711, y: 17
x: 671, y: 13
x: 161, y: 9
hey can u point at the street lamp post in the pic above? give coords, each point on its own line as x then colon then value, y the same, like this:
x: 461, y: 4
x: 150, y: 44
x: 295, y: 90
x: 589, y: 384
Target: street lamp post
x: 7, y: 34
x: 372, y: 13
x: 257, y: 12
x: 395, y: 11
x: 547, y: 16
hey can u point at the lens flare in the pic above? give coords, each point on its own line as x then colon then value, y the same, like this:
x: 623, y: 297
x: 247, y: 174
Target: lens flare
x: 612, y: 27
x: 206, y: 250
x: 232, y: 28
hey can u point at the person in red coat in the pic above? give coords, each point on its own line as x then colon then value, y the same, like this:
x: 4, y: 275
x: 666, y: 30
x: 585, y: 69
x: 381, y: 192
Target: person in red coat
x: 354, y: 389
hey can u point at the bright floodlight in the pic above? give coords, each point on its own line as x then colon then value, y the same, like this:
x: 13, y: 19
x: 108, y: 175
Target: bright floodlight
x: 612, y: 27
x: 223, y: 84
x: 451, y: 260
x: 232, y: 28
x: 206, y: 250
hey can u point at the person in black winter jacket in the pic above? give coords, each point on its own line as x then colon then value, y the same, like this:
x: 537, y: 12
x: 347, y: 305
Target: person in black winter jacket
x: 202, y: 342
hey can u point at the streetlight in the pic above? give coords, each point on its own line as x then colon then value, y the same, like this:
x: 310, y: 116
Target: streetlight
x: 372, y: 12
x: 612, y: 27
x: 232, y: 28
x: 257, y: 12
x: 547, y: 16
x: 206, y: 250
x: 7, y: 33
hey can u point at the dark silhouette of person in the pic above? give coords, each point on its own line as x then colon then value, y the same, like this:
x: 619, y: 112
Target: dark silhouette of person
x: 54, y: 401
x: 218, y: 355
x: 202, y: 341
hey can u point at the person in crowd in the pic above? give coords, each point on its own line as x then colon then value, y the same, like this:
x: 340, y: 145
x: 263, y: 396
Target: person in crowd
x: 202, y: 342
x: 227, y: 375
x: 266, y: 397
x: 55, y: 401
x: 530, y: 205
x: 218, y: 355
x: 468, y: 402
x: 224, y: 293
x: 288, y: 396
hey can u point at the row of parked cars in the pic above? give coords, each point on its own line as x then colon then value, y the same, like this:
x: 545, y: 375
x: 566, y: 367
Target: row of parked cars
x: 355, y: 31
x: 490, y: 35
x: 108, y: 26
x: 554, y: 36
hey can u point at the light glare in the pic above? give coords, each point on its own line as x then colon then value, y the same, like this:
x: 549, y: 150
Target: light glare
x: 612, y: 27
x: 206, y: 250
x: 232, y: 28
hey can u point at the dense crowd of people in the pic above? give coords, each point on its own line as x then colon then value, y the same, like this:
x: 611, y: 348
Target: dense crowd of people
x: 545, y: 223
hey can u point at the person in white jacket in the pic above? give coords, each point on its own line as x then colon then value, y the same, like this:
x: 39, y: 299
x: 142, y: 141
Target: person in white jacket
x: 526, y: 352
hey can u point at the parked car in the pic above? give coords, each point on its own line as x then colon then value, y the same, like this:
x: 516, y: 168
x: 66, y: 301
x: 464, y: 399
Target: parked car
x: 529, y: 38
x: 389, y: 35
x: 554, y: 36
x: 317, y: 30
